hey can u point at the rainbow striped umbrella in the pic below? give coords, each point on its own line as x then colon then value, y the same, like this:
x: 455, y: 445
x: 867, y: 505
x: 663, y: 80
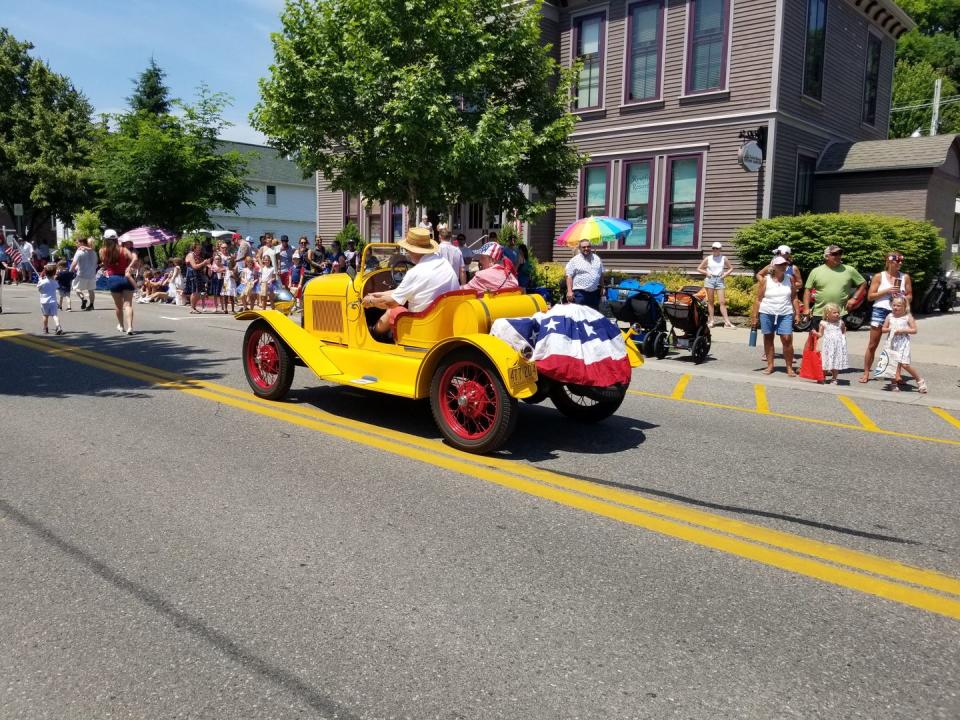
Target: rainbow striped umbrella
x: 596, y: 230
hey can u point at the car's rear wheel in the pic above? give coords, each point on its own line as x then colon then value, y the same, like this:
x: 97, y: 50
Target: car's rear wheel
x: 587, y: 404
x: 470, y: 403
x: 267, y: 361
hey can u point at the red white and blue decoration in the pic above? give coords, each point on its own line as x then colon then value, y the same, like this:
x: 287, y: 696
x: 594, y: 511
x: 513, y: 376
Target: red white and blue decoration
x: 571, y: 344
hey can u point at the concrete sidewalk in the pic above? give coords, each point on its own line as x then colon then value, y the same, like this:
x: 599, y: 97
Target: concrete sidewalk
x: 935, y: 352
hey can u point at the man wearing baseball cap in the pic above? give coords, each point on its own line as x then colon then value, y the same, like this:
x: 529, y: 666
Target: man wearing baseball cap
x: 833, y: 282
x: 430, y: 277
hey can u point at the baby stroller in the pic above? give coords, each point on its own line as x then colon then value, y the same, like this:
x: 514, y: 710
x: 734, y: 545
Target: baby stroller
x: 686, y: 314
x: 638, y: 304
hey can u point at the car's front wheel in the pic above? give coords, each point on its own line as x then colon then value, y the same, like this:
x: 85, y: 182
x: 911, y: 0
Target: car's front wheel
x: 267, y: 361
x: 470, y: 403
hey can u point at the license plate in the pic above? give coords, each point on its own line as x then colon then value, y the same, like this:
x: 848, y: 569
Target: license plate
x: 523, y: 374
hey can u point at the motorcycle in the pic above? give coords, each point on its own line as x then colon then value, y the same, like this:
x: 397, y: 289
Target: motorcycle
x: 942, y: 293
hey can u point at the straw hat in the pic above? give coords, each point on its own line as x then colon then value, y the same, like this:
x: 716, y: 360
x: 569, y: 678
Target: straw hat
x: 418, y: 241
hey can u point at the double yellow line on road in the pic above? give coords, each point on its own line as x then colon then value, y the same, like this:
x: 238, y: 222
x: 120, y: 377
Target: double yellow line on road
x: 875, y: 575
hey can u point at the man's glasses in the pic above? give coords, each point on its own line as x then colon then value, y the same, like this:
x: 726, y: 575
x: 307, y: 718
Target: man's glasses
x: 836, y: 254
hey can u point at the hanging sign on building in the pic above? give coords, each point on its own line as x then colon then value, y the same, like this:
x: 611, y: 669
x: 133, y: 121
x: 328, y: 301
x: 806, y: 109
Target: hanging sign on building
x: 750, y: 156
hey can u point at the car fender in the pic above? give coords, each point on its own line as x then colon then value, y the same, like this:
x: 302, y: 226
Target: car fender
x: 496, y: 350
x: 305, y: 346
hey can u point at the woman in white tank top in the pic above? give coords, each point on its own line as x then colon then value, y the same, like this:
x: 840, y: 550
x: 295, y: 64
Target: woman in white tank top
x: 716, y: 267
x: 777, y: 307
x: 884, y: 287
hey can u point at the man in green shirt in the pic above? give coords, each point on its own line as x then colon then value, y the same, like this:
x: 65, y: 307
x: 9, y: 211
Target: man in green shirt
x: 834, y: 283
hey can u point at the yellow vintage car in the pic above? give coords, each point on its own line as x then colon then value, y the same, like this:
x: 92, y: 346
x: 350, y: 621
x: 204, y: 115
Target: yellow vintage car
x: 444, y: 353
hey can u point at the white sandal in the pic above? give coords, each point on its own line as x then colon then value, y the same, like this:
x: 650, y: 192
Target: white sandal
x: 922, y: 386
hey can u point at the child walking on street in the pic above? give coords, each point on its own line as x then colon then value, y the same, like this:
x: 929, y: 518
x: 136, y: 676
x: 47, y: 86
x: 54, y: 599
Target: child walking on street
x: 48, y: 287
x: 832, y: 342
x: 901, y: 325
x: 64, y: 285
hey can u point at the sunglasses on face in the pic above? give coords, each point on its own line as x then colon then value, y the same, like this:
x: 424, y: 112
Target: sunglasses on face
x: 836, y: 254
x: 895, y: 258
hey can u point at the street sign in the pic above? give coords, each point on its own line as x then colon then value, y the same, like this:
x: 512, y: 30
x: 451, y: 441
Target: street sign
x: 18, y: 210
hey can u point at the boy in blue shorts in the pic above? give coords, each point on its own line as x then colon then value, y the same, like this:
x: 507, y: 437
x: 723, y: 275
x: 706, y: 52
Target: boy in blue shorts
x: 47, y: 286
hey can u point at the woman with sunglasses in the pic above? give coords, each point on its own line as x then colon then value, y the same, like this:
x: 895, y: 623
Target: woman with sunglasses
x: 885, y: 286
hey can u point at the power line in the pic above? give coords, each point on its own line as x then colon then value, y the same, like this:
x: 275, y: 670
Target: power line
x: 943, y: 101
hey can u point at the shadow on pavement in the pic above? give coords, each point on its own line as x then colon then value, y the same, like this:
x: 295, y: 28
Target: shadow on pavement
x: 29, y: 372
x: 542, y: 432
x: 746, y: 511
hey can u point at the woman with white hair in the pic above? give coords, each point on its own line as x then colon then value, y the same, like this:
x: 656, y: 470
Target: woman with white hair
x: 496, y: 271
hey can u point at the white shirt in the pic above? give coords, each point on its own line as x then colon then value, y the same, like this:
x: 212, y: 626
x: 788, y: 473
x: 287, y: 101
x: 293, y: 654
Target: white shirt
x: 424, y: 282
x: 86, y: 263
x: 266, y: 277
x: 26, y: 250
x: 777, y: 297
x: 586, y: 274
x: 451, y: 253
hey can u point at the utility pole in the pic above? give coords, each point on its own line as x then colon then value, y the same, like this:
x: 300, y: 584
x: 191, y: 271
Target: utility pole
x: 935, y: 120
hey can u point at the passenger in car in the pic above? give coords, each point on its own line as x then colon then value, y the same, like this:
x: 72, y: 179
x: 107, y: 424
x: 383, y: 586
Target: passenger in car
x: 496, y: 272
x: 430, y: 277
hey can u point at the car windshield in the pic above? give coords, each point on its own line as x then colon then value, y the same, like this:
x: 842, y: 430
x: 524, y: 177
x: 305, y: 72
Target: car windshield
x: 379, y: 256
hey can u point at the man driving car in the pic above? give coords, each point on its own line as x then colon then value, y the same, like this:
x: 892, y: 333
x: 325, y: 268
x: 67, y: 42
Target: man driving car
x: 430, y: 277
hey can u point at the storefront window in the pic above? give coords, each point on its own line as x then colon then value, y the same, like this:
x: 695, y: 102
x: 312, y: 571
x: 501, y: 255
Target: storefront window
x: 594, y: 191
x: 636, y: 207
x: 683, y: 188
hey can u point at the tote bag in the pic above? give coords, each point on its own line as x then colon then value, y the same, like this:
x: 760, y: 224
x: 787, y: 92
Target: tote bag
x: 887, y: 361
x: 811, y: 363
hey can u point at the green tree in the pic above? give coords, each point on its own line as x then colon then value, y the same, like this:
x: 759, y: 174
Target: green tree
x: 913, y: 88
x: 46, y: 138
x: 929, y: 51
x: 167, y: 170
x: 368, y: 93
x: 87, y: 225
x: 150, y: 95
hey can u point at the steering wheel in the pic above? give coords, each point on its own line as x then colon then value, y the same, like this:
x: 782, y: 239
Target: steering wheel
x: 398, y: 268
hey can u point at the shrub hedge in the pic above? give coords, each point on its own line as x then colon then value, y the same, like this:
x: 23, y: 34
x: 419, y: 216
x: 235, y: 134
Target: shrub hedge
x: 865, y: 238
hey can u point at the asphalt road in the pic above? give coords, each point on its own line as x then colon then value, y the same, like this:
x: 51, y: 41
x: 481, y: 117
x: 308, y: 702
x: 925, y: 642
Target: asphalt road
x: 175, y: 549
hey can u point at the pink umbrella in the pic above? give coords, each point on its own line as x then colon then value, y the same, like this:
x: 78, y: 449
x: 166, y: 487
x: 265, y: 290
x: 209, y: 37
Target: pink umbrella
x: 142, y: 237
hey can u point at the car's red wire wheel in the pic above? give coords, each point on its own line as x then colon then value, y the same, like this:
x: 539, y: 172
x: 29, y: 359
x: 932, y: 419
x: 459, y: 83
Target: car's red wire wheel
x: 470, y: 403
x: 262, y: 355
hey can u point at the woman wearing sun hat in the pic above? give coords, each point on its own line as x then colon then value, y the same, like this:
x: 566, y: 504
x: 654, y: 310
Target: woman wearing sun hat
x: 430, y: 277
x: 716, y: 267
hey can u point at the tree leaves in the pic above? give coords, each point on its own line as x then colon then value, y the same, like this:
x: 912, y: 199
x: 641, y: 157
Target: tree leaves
x: 436, y: 101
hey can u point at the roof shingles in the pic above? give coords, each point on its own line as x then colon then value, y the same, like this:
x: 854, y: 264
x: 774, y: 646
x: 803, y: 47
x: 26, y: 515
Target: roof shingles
x: 900, y: 154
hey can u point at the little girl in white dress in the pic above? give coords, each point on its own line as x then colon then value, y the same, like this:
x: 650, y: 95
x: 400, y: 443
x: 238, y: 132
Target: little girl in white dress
x: 833, y: 342
x: 901, y: 325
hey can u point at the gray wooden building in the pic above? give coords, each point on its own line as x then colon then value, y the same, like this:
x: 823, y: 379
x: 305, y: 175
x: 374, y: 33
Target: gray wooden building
x: 670, y: 93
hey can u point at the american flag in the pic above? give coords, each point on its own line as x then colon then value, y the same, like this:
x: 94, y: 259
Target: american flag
x: 13, y: 250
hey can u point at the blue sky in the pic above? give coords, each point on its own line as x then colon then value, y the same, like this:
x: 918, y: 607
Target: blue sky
x: 102, y: 45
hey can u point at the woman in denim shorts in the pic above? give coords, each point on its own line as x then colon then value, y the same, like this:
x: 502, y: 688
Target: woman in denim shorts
x: 777, y: 308
x: 884, y: 287
x: 716, y: 267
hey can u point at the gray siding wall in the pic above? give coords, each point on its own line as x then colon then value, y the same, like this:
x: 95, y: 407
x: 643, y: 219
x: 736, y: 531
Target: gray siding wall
x: 329, y: 210
x: 791, y: 141
x: 845, y: 60
x: 902, y: 193
x: 731, y: 197
x: 941, y: 207
x: 749, y: 73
